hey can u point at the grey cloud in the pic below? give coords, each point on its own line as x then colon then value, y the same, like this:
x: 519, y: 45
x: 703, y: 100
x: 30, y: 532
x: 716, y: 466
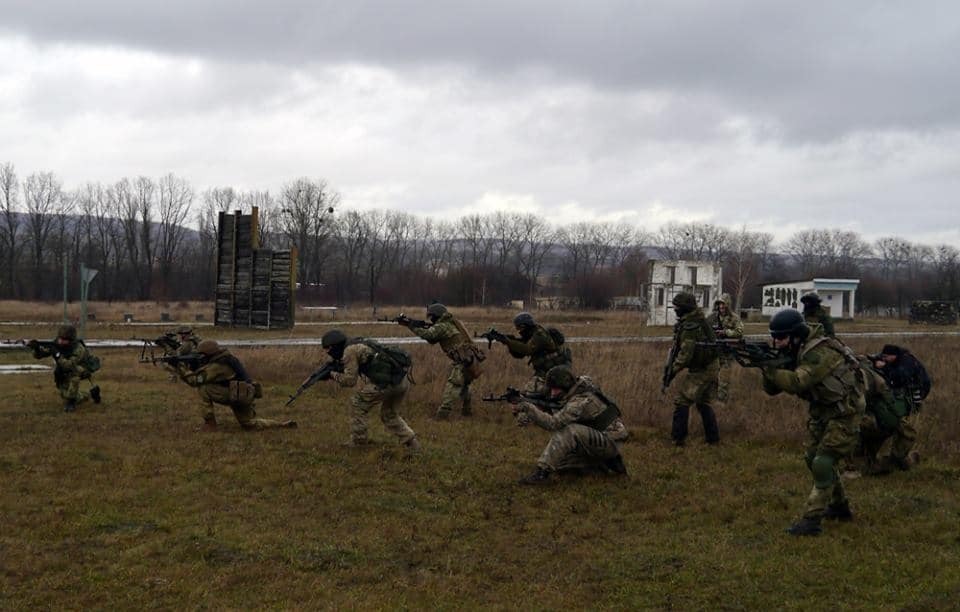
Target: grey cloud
x: 814, y: 69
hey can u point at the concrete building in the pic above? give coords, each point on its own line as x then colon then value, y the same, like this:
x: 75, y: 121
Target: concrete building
x: 838, y: 296
x: 669, y: 277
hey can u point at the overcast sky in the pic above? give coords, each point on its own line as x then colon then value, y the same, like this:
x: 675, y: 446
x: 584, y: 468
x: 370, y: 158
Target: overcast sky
x: 774, y: 115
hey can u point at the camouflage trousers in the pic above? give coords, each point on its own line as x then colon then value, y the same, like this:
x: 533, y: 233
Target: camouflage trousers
x: 457, y: 388
x: 698, y: 388
x: 886, y: 450
x: 245, y: 414
x: 577, y: 447
x: 828, y: 441
x: 723, y: 378
x: 69, y: 388
x: 388, y: 398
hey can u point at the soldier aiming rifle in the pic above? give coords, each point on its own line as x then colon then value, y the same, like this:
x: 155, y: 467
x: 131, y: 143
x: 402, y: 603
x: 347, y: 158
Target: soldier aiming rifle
x: 321, y: 373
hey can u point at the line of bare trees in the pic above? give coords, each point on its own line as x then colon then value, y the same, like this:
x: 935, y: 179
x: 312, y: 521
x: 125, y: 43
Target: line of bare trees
x: 137, y: 233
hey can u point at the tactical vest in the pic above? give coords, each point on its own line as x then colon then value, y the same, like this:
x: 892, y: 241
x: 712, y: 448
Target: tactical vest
x: 845, y: 378
x: 388, y: 366
x: 609, y: 414
x: 702, y: 356
x: 553, y: 355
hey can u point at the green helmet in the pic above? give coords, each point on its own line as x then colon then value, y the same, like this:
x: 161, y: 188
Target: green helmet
x: 67, y: 332
x: 208, y: 347
x: 333, y: 338
x: 812, y: 298
x: 184, y: 329
x: 788, y: 322
x: 560, y: 377
x: 685, y: 301
x: 524, y: 319
x: 436, y: 310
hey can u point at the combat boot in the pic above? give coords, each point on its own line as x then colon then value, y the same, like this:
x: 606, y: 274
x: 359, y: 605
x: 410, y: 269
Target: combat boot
x: 95, y: 394
x: 69, y: 406
x: 413, y: 445
x: 838, y: 512
x: 805, y: 527
x: 467, y: 409
x: 616, y: 465
x: 539, y: 476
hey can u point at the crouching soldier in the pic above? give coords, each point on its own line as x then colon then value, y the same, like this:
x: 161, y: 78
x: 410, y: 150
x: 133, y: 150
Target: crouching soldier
x: 385, y: 372
x: 220, y: 378
x: 73, y: 364
x: 579, y: 439
x: 457, y: 345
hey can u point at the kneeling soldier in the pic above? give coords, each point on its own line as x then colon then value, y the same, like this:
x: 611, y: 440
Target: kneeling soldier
x: 220, y: 378
x: 579, y: 440
x: 386, y: 384
x: 73, y: 364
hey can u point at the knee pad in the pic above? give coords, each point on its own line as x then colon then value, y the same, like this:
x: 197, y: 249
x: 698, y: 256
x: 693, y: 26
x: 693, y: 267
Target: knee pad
x: 823, y: 469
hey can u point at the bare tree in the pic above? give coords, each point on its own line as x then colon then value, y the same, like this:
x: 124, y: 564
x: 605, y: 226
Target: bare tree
x: 10, y: 228
x: 174, y: 201
x: 537, y: 238
x: 693, y: 241
x: 42, y: 193
x: 306, y: 208
x: 745, y: 252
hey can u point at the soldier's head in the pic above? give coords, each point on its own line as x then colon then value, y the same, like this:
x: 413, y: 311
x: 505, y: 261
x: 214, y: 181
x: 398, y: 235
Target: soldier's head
x: 524, y: 324
x: 184, y: 330
x: 559, y: 380
x: 208, y: 348
x: 788, y: 329
x: 334, y: 341
x: 66, y: 335
x: 722, y: 304
x: 435, y: 311
x: 890, y: 353
x: 810, y: 301
x: 684, y: 303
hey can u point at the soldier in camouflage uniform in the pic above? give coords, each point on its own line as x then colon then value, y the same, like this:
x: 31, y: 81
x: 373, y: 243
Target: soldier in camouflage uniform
x: 909, y: 385
x: 220, y: 378
x: 72, y: 365
x: 578, y: 440
x: 725, y: 324
x: 828, y: 375
x: 815, y: 313
x: 702, y: 364
x: 885, y: 424
x: 538, y: 345
x: 457, y: 345
x: 189, y: 341
x: 385, y: 385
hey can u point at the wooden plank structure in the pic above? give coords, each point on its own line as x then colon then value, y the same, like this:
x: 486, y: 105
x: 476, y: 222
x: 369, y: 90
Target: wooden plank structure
x: 254, y: 286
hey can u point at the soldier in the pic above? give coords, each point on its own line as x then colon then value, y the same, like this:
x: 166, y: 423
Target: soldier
x: 910, y: 385
x: 457, y: 345
x: 73, y: 364
x: 385, y: 371
x: 814, y: 312
x: 220, y: 378
x: 539, y: 345
x: 702, y: 365
x: 188, y: 340
x: 578, y: 439
x: 827, y: 374
x: 725, y: 324
x: 886, y: 419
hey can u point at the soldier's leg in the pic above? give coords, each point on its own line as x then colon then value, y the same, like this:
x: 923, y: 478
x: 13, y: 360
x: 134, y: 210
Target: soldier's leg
x: 451, y: 392
x: 686, y: 397
x: 247, y: 417
x: 362, y: 402
x: 839, y: 439
x: 723, y: 379
x: 71, y: 393
x: 390, y: 416
x: 706, y: 392
x: 466, y: 404
x: 577, y: 447
x: 902, y: 443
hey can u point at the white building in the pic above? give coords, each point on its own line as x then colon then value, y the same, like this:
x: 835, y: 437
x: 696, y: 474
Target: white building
x: 837, y: 295
x: 668, y: 278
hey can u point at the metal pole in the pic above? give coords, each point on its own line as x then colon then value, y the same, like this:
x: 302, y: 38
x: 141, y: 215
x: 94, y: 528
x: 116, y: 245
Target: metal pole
x: 65, y: 289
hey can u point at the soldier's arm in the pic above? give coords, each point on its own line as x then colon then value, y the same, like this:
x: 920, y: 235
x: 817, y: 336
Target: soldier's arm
x: 39, y: 352
x: 807, y: 375
x: 688, y: 345
x: 435, y: 333
x: 827, y: 322
x: 736, y: 329
x: 215, y: 373
x: 72, y: 363
x: 519, y: 347
x: 570, y: 413
x: 351, y: 365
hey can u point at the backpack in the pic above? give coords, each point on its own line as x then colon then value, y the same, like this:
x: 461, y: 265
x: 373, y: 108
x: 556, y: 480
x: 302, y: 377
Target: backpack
x: 557, y: 335
x: 389, y: 365
x: 90, y: 361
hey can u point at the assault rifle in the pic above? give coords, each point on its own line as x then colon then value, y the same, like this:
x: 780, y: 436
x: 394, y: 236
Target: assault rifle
x: 490, y: 335
x: 322, y: 373
x: 168, y: 342
x: 750, y: 354
x: 191, y: 360
x: 515, y: 396
x: 668, y: 373
x: 406, y: 321
x: 49, y: 345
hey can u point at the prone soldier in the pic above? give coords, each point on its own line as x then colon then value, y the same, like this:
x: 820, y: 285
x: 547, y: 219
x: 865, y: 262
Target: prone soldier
x: 726, y: 324
x: 827, y: 374
x: 446, y: 330
x: 220, y: 378
x: 73, y: 363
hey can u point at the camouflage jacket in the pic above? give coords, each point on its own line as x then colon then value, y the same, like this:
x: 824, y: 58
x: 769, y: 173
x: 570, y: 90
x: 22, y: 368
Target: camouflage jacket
x: 827, y: 375
x: 69, y: 360
x: 690, y: 329
x: 362, y: 361
x: 540, y: 348
x: 580, y: 404
x: 189, y: 345
x: 219, y: 370
x: 726, y: 326
x: 820, y: 317
x: 447, y: 331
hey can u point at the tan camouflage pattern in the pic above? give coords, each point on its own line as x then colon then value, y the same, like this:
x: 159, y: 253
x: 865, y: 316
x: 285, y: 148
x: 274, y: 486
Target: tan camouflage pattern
x: 368, y: 397
x: 450, y: 336
x: 211, y: 381
x: 727, y: 326
x: 71, y: 372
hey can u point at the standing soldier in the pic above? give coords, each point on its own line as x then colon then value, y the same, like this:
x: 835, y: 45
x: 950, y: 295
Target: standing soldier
x: 73, y: 364
x: 814, y: 312
x: 725, y: 324
x: 578, y: 439
x: 385, y: 370
x: 220, y: 378
x: 536, y: 343
x: 702, y: 365
x: 457, y: 345
x: 827, y: 374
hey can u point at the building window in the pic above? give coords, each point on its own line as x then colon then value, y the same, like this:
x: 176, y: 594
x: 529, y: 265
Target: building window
x: 693, y: 275
x: 672, y: 270
x: 660, y: 296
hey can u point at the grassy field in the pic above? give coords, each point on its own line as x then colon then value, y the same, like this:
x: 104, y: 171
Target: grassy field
x: 126, y: 506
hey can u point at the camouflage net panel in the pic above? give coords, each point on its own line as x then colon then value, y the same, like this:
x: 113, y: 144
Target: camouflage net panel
x: 933, y: 312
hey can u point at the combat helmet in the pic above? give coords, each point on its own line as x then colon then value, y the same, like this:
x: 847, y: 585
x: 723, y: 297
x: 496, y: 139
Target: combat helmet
x: 523, y: 319
x: 67, y: 332
x: 436, y: 310
x: 560, y: 377
x: 333, y: 338
x: 788, y: 322
x: 811, y: 299
x: 184, y: 329
x: 685, y: 302
x: 208, y: 348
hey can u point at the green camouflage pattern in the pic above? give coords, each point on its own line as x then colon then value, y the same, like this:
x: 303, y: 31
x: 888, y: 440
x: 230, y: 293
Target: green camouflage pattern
x: 820, y: 317
x: 542, y: 351
x: 68, y: 370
